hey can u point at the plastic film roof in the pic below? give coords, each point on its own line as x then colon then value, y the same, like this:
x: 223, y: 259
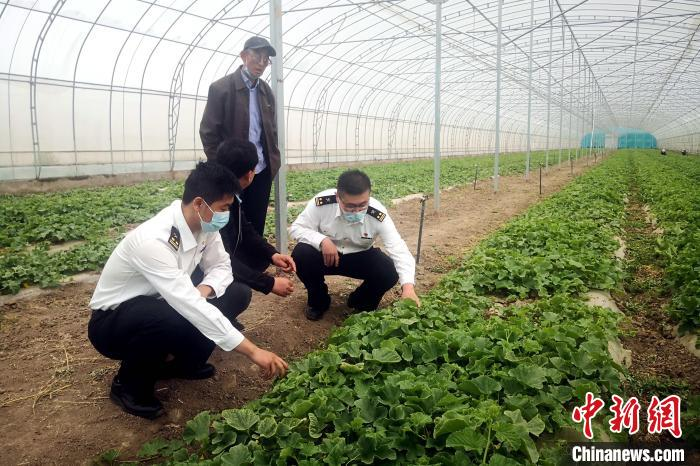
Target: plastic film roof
x: 89, y: 84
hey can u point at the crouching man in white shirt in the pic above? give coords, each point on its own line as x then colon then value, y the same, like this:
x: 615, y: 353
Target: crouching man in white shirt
x: 148, y: 313
x: 336, y: 234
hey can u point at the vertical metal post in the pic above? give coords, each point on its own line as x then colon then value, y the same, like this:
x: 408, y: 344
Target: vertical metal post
x: 579, y: 125
x: 561, y: 90
x: 420, y: 227
x: 590, y: 145
x: 529, y: 93
x: 278, y: 91
x: 498, y: 96
x: 438, y: 60
x: 571, y: 96
x: 549, y: 85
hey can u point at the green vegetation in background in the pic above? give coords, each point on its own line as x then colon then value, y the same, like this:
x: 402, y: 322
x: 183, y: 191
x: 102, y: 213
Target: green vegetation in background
x: 99, y: 216
x: 670, y: 185
x: 560, y: 245
x: 457, y: 381
x: 83, y: 213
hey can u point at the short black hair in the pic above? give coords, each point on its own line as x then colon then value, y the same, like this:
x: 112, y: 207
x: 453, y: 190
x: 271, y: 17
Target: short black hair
x: 354, y: 182
x: 238, y: 155
x: 210, y: 181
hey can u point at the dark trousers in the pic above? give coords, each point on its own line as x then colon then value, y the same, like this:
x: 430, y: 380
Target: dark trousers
x: 256, y: 198
x: 373, y: 266
x: 252, y: 259
x: 142, y: 331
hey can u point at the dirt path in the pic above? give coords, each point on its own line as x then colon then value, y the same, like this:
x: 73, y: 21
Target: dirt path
x: 54, y: 385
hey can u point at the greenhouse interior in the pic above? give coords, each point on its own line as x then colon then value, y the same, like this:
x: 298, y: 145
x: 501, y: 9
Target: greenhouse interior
x: 476, y: 224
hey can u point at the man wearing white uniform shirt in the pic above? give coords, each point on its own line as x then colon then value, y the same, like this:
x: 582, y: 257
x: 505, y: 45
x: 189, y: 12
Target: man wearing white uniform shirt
x: 148, y: 313
x: 336, y: 234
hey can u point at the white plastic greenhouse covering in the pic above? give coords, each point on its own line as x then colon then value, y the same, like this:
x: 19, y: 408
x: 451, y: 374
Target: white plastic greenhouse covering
x: 114, y: 86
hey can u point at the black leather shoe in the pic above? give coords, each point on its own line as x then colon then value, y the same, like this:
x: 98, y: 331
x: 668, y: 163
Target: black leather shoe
x: 351, y: 301
x: 142, y: 405
x: 355, y: 305
x: 313, y: 314
x: 173, y: 371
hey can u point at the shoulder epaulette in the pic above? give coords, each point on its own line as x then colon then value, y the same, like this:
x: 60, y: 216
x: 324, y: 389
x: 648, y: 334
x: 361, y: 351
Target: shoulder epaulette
x: 376, y: 213
x: 325, y: 200
x: 174, y: 239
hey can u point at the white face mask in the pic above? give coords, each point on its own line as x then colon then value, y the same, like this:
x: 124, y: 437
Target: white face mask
x: 354, y: 217
x: 218, y: 220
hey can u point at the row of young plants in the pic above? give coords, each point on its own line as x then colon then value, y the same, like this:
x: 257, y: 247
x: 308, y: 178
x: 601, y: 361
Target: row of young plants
x: 31, y: 224
x: 458, y: 380
x: 81, y: 213
x: 670, y: 186
x: 642, y: 296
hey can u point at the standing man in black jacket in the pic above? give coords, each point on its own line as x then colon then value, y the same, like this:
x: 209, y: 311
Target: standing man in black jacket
x: 241, y: 105
x: 250, y: 253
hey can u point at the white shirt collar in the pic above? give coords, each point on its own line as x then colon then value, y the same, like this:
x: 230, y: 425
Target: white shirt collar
x: 186, y: 236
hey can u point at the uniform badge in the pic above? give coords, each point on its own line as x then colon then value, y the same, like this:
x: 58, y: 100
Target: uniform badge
x: 325, y: 200
x: 174, y: 240
x: 378, y: 214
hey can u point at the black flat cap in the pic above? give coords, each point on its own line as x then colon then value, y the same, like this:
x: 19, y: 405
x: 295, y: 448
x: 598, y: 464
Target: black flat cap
x: 256, y: 42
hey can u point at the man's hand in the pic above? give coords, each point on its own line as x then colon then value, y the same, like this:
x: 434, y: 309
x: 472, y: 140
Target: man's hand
x: 283, y: 287
x: 270, y: 364
x: 205, y: 290
x: 330, y: 253
x: 284, y: 262
x: 408, y: 291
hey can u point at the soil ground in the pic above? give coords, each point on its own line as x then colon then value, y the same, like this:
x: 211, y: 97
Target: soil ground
x: 54, y: 385
x: 661, y: 365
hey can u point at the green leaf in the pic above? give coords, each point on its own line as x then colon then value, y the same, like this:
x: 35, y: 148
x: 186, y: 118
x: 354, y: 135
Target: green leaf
x: 352, y: 368
x: 511, y: 434
x: 486, y: 384
x: 301, y: 407
x: 152, y: 448
x: 315, y: 427
x: 236, y: 456
x: 445, y: 426
x: 198, y: 428
x: 335, y: 450
x: 531, y: 450
x: 562, y: 393
x: 532, y: 376
x: 267, y: 427
x: 330, y: 358
x: 468, y: 440
x: 397, y: 413
x: 419, y: 419
x: 432, y: 348
x: 535, y: 425
x: 369, y: 409
x: 386, y: 355
x: 240, y: 419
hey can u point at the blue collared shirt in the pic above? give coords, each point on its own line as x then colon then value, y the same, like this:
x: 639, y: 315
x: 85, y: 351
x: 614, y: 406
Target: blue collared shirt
x: 255, y: 126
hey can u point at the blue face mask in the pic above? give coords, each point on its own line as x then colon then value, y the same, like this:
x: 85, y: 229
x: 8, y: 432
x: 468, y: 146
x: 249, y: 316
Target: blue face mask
x: 354, y: 217
x: 218, y: 220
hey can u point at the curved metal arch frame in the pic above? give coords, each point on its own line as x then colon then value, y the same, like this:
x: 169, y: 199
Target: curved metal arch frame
x: 394, y: 117
x: 33, y: 81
